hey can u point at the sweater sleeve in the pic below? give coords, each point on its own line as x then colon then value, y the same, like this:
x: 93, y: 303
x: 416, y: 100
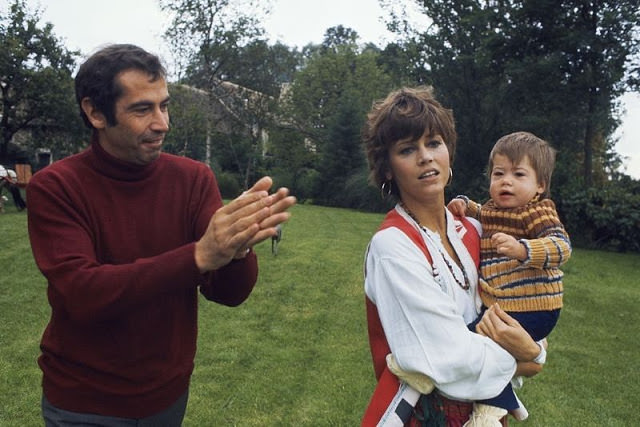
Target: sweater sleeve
x: 473, y: 210
x: 551, y: 246
x: 424, y: 329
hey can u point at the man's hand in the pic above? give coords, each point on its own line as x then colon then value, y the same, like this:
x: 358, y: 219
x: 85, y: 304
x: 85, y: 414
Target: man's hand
x: 508, y: 245
x: 279, y: 203
x: 244, y: 222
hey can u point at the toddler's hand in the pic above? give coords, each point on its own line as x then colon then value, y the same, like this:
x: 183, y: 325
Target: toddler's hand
x: 509, y: 246
x: 458, y: 207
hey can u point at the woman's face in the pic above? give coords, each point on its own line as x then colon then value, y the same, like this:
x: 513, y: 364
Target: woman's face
x: 420, y: 169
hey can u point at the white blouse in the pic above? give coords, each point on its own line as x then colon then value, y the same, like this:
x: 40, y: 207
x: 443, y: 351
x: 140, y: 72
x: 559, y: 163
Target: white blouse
x: 425, y: 319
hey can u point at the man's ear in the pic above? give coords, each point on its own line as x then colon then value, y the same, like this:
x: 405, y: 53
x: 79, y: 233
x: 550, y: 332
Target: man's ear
x: 97, y: 119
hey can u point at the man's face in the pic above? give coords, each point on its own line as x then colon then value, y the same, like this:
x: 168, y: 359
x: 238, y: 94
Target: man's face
x: 142, y: 119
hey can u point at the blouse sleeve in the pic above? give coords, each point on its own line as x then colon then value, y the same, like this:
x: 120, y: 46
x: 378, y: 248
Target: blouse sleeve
x: 422, y: 326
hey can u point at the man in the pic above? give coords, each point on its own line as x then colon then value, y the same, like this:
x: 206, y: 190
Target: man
x: 9, y: 179
x: 125, y: 235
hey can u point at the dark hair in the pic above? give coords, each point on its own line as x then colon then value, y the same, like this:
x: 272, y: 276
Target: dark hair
x: 407, y: 113
x: 97, y: 76
x: 517, y: 145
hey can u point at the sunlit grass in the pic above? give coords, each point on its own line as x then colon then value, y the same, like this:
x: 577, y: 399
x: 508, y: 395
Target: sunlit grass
x: 296, y: 352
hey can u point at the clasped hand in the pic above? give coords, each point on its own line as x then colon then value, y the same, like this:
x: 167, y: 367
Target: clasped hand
x: 247, y: 220
x: 507, y: 331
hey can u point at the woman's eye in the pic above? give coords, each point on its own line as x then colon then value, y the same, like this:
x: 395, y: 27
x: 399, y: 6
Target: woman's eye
x: 405, y: 148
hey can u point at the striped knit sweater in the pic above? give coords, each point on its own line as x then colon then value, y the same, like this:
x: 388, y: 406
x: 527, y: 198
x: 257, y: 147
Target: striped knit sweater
x: 534, y: 284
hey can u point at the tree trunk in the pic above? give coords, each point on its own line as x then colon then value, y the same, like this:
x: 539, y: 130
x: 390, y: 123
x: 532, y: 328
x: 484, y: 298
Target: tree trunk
x: 589, y: 139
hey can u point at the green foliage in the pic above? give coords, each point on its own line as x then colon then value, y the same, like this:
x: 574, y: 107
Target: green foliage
x: 327, y: 102
x: 296, y: 353
x: 190, y: 114
x: 342, y: 153
x: 552, y: 68
x: 328, y: 76
x: 35, y: 83
x: 291, y: 162
x: 307, y: 184
x: 262, y: 67
x: 206, y: 35
x: 228, y: 184
x: 359, y: 194
x: 605, y: 218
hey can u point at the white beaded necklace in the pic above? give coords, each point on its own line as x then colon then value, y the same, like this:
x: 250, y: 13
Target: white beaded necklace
x: 465, y: 285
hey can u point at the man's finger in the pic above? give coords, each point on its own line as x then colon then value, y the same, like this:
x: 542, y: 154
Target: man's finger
x: 243, y: 200
x: 273, y: 220
x: 263, y: 184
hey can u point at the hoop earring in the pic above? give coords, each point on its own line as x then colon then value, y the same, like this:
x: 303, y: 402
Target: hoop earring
x: 450, y: 176
x: 385, y: 189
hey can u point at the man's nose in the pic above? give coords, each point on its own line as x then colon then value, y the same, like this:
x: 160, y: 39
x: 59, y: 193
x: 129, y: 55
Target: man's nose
x: 160, y: 121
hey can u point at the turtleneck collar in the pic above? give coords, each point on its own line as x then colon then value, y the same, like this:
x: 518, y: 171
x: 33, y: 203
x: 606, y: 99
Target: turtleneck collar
x: 114, y: 168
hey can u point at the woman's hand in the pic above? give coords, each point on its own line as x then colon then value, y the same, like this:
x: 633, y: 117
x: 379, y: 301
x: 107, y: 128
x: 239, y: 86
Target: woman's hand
x: 508, y: 333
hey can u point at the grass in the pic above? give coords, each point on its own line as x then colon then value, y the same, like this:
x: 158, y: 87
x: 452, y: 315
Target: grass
x: 296, y: 352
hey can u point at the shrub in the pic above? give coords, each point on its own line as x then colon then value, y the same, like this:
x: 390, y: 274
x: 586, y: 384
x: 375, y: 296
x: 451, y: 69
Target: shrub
x: 307, y: 182
x: 229, y: 185
x: 607, y: 218
x: 359, y: 194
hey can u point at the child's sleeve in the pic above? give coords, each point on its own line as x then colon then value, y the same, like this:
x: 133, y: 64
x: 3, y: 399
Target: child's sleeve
x: 473, y: 208
x: 550, y: 246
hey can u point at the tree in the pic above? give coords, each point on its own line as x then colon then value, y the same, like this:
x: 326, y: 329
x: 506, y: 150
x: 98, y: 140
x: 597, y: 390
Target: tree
x: 220, y: 43
x: 328, y: 101
x: 580, y: 50
x: 342, y: 152
x: 329, y: 73
x: 35, y: 82
x: 190, y: 113
x: 553, y: 68
x: 206, y: 35
x: 405, y: 62
x: 262, y: 67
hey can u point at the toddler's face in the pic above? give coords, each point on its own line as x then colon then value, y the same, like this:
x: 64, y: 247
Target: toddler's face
x: 513, y: 185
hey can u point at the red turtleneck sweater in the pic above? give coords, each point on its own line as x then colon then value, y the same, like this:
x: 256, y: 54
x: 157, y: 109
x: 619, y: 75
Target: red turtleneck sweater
x: 116, y: 244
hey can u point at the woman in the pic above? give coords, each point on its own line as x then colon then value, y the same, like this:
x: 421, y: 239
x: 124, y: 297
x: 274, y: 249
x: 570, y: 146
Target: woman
x: 421, y: 277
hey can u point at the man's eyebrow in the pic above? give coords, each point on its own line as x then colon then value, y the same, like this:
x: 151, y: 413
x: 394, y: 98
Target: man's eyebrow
x: 145, y: 104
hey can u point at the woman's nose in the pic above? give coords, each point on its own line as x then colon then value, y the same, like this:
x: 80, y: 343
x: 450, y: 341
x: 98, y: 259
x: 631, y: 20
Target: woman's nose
x: 424, y: 155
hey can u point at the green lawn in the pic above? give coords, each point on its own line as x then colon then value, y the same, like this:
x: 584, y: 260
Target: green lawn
x: 296, y: 352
